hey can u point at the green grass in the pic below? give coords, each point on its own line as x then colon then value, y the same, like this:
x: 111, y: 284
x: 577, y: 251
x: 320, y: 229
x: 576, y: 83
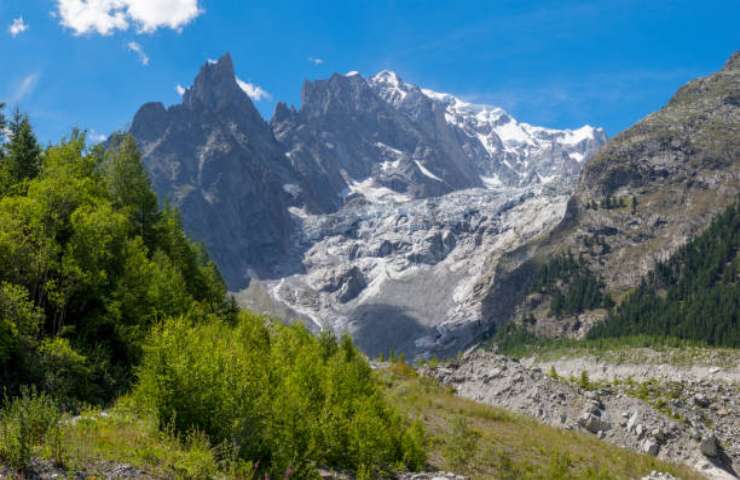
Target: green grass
x: 124, y: 437
x: 507, y: 445
x: 87, y: 442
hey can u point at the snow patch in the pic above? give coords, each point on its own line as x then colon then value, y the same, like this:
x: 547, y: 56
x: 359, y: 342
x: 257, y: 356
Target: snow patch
x: 577, y: 156
x: 375, y: 193
x: 426, y: 171
x: 492, y: 182
x: 298, y: 212
x: 512, y: 132
x: 573, y: 137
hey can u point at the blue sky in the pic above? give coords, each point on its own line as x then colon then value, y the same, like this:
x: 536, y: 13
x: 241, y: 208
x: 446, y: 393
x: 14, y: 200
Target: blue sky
x: 557, y: 64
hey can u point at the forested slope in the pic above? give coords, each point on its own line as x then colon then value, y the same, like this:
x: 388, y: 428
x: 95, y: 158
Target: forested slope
x: 88, y: 262
x: 694, y: 295
x: 652, y: 189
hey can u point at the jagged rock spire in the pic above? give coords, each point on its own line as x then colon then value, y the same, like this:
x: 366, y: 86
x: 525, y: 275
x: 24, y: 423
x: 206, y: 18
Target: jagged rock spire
x: 216, y: 87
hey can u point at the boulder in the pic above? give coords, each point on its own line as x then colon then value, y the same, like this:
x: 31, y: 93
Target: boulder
x: 593, y: 423
x: 709, y: 446
x: 650, y: 446
x: 701, y: 400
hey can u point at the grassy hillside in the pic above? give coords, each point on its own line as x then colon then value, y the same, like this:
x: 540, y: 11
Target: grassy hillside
x: 462, y: 436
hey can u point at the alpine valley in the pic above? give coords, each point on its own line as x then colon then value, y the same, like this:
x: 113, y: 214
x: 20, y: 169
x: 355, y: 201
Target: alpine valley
x: 383, y: 281
x: 428, y: 226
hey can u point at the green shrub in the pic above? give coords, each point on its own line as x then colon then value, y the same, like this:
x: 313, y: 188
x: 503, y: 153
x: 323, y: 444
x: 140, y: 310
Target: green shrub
x: 64, y: 370
x: 277, y: 395
x: 20, y: 320
x: 25, y: 423
x: 414, y: 446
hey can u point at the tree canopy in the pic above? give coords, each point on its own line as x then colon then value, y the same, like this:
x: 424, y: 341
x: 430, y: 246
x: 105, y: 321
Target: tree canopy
x: 88, y: 263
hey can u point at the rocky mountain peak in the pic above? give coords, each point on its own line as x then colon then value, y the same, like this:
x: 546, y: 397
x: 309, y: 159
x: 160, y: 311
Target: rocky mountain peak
x: 391, y: 88
x: 216, y: 87
x: 339, y: 94
x: 342, y: 210
x: 282, y: 112
x: 388, y: 77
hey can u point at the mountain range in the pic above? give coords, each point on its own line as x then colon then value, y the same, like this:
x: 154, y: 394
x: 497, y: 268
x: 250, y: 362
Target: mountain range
x: 373, y: 204
x: 417, y: 221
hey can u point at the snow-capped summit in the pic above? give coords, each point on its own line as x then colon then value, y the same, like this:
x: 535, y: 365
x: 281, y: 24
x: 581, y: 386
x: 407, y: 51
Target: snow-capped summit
x: 390, y: 86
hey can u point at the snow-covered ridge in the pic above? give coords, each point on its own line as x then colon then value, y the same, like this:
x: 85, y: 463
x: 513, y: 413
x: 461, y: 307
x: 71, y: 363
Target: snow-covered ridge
x: 498, y: 131
x: 506, y: 151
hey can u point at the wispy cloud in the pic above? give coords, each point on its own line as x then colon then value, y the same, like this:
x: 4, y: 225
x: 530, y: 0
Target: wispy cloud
x: 315, y: 60
x: 255, y: 92
x: 107, y: 16
x: 139, y: 51
x: 24, y: 88
x: 17, y: 27
x: 180, y: 90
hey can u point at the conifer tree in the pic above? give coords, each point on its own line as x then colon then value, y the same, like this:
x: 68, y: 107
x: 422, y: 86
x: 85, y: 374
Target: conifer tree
x: 2, y: 129
x: 23, y: 150
x: 130, y: 188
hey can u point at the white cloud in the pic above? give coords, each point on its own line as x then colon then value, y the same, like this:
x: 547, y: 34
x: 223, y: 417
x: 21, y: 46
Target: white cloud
x: 139, y: 51
x: 315, y: 61
x: 24, y: 88
x: 107, y: 16
x: 17, y: 27
x: 96, y: 137
x: 180, y: 90
x: 255, y: 92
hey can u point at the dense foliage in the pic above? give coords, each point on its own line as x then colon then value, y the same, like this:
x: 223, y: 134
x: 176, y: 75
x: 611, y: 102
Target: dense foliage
x: 573, y: 288
x: 694, y: 295
x: 100, y: 288
x: 88, y: 262
x: 280, y: 396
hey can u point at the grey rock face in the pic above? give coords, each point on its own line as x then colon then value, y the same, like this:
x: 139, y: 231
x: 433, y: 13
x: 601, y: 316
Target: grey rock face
x: 701, y: 400
x: 215, y: 159
x: 593, y: 422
